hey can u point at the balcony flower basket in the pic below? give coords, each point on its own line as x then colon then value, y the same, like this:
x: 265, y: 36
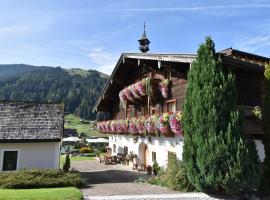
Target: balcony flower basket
x: 175, y: 123
x: 151, y: 124
x: 122, y: 126
x: 164, y: 125
x: 108, y: 126
x: 140, y: 125
x: 141, y: 86
x: 164, y: 88
x: 128, y: 94
x: 123, y: 97
x: 136, y: 94
x: 113, y: 126
x: 132, y: 127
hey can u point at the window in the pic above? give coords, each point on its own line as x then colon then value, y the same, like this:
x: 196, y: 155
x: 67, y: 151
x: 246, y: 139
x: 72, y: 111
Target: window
x: 152, y: 111
x: 154, y: 156
x: 114, y: 148
x: 125, y: 150
x: 10, y: 160
x: 171, y: 106
x: 128, y: 113
x: 171, y: 155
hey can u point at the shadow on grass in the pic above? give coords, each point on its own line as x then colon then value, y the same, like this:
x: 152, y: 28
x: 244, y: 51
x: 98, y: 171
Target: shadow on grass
x: 112, y: 176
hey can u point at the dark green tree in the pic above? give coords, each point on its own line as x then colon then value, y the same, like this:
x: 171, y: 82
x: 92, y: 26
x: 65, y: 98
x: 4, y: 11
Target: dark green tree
x: 266, y: 128
x: 217, y: 157
x: 66, y: 165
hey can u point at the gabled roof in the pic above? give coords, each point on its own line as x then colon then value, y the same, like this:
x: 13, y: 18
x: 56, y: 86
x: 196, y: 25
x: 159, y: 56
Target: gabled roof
x: 244, y: 56
x: 176, y: 58
x: 229, y: 56
x: 31, y: 122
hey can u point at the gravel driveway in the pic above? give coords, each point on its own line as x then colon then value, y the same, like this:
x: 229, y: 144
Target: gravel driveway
x: 114, y: 180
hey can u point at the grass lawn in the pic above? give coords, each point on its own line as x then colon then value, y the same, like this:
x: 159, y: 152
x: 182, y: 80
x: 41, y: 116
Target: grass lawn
x: 81, y: 125
x: 69, y: 193
x: 76, y: 158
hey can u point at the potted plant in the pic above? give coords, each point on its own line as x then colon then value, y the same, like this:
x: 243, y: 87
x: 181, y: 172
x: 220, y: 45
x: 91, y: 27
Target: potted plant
x: 149, y: 169
x: 156, y: 168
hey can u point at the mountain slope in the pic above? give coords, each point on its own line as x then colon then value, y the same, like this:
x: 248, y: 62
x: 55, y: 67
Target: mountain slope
x: 77, y: 88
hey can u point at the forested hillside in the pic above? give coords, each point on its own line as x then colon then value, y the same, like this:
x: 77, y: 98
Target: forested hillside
x: 77, y: 88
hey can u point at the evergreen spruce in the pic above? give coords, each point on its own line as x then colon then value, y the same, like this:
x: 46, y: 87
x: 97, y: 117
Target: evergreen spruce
x: 217, y: 157
x: 266, y: 127
x: 66, y: 164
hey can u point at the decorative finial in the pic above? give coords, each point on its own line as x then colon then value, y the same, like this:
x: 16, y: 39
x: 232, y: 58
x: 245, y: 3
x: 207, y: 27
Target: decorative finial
x: 144, y: 42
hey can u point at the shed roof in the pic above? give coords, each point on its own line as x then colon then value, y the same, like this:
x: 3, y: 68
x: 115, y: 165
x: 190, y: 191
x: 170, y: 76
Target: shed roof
x: 30, y: 121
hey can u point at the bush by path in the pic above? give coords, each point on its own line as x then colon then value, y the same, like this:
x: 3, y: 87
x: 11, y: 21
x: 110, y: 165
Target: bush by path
x: 39, y: 178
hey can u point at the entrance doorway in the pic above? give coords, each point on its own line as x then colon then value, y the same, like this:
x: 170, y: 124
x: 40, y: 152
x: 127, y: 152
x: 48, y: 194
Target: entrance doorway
x: 143, y: 155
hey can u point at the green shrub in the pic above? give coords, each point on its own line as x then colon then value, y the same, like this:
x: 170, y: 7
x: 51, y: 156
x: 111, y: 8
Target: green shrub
x: 173, y: 177
x: 156, y: 168
x: 39, y: 178
x: 66, y: 164
x: 176, y: 176
x: 85, y: 150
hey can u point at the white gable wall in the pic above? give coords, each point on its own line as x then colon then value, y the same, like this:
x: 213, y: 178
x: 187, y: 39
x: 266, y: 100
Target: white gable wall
x: 34, y: 155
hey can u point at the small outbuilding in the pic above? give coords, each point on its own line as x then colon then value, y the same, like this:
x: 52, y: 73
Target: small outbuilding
x: 30, y: 135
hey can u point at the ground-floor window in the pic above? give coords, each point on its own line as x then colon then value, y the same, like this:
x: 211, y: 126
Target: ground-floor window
x: 154, y: 156
x: 125, y: 150
x: 10, y: 160
x: 171, y: 155
x: 114, y: 148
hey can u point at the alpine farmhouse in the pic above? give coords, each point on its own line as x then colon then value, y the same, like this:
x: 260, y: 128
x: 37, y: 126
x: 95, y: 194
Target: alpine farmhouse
x: 143, y: 99
x: 30, y: 135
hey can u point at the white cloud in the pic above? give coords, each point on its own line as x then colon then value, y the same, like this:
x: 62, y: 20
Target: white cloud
x: 253, y: 44
x: 14, y: 29
x: 105, y: 60
x: 198, y: 8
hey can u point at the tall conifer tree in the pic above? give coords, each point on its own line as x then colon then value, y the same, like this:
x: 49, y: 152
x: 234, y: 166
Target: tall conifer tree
x: 217, y: 157
x: 266, y: 128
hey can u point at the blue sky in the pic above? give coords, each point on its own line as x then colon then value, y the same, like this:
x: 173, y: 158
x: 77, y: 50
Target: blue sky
x: 91, y: 34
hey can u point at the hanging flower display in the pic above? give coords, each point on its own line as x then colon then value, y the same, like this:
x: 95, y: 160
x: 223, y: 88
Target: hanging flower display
x: 151, y: 124
x: 164, y: 88
x: 164, y: 125
x: 128, y: 93
x: 123, y: 97
x: 175, y: 123
x: 134, y: 91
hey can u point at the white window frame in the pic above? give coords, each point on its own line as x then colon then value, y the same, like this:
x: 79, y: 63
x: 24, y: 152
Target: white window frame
x: 18, y: 159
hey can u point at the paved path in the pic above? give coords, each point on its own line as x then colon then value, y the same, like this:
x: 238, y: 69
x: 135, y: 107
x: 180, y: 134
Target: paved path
x: 118, y: 182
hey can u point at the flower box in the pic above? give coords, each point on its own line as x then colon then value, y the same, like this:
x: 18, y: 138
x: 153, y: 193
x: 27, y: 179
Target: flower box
x: 175, y: 123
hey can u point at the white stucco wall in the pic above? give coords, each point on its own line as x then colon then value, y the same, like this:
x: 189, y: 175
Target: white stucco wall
x: 160, y: 145
x: 34, y: 155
